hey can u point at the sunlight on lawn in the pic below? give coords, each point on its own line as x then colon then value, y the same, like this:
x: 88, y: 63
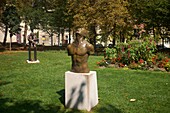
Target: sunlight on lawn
x: 39, y: 88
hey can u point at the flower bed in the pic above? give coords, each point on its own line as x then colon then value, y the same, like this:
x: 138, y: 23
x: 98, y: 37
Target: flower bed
x: 136, y: 55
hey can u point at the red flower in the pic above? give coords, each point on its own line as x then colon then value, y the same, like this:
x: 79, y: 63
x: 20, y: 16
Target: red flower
x: 121, y: 65
x: 150, y: 40
x: 97, y: 63
x: 113, y: 60
x: 119, y: 58
x: 141, y: 61
x: 165, y: 59
x: 128, y: 54
x: 129, y: 46
x: 123, y: 49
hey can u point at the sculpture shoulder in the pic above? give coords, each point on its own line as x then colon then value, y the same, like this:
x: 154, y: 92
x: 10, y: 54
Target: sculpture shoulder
x: 90, y: 45
x: 90, y: 48
x: 69, y: 46
x: 70, y: 49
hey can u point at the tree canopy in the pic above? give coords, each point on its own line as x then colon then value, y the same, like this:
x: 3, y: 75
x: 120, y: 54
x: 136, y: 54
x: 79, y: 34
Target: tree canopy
x: 11, y: 20
x: 112, y: 17
x: 108, y: 15
x: 151, y: 12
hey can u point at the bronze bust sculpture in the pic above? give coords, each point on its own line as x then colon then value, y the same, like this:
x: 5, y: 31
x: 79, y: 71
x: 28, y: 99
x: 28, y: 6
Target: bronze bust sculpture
x: 79, y: 51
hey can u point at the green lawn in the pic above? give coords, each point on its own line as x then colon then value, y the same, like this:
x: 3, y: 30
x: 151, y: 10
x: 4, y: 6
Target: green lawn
x: 39, y: 88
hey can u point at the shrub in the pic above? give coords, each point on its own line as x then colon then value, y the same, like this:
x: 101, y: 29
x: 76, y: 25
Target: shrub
x: 136, y: 54
x: 110, y: 53
x: 136, y: 50
x: 163, y: 62
x: 160, y: 56
x: 167, y: 66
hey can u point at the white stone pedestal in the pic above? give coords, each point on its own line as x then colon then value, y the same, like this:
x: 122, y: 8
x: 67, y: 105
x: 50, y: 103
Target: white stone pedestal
x: 81, y: 90
x: 33, y: 62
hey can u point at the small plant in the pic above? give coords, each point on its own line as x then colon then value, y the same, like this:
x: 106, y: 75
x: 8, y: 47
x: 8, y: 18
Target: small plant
x: 103, y: 63
x: 167, y: 66
x: 121, y: 65
x: 134, y: 65
x: 160, y: 56
x: 163, y: 62
x: 113, y: 61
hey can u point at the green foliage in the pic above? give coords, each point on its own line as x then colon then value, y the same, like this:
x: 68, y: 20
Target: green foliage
x: 109, y: 15
x: 111, y: 53
x: 11, y: 18
x: 160, y: 56
x: 136, y: 50
x: 133, y: 51
x: 151, y: 12
x: 136, y: 55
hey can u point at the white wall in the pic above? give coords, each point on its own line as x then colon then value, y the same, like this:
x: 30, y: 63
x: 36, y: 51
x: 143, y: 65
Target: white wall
x: 42, y: 35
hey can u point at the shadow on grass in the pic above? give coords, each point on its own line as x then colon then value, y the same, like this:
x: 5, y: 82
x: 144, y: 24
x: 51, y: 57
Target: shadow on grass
x: 62, y: 96
x: 31, y: 106
x: 108, y: 108
x: 4, y: 83
x: 27, y: 106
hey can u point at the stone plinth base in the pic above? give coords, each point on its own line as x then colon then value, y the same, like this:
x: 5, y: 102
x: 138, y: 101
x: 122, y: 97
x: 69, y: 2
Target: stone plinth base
x: 81, y: 90
x: 32, y: 62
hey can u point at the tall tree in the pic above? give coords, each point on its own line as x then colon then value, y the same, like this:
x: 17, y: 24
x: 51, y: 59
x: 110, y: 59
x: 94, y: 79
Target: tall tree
x: 154, y: 13
x: 56, y: 18
x: 32, y: 12
x: 11, y: 20
x: 109, y: 15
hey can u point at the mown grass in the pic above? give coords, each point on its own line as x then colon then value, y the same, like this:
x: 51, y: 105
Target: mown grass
x: 39, y: 88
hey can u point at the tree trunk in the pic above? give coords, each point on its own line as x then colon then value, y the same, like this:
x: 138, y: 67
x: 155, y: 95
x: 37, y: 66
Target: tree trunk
x: 94, y: 42
x: 122, y: 37
x: 59, y: 37
x: 62, y: 36
x: 154, y: 32
x: 51, y: 35
x: 114, y: 42
x: 69, y: 37
x: 162, y: 42
x: 94, y: 34
x: 105, y: 40
x: 10, y: 45
x: 25, y: 35
x: 114, y: 39
x: 5, y: 36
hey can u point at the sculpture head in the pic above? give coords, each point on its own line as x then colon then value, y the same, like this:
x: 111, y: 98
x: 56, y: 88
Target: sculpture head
x: 82, y: 32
